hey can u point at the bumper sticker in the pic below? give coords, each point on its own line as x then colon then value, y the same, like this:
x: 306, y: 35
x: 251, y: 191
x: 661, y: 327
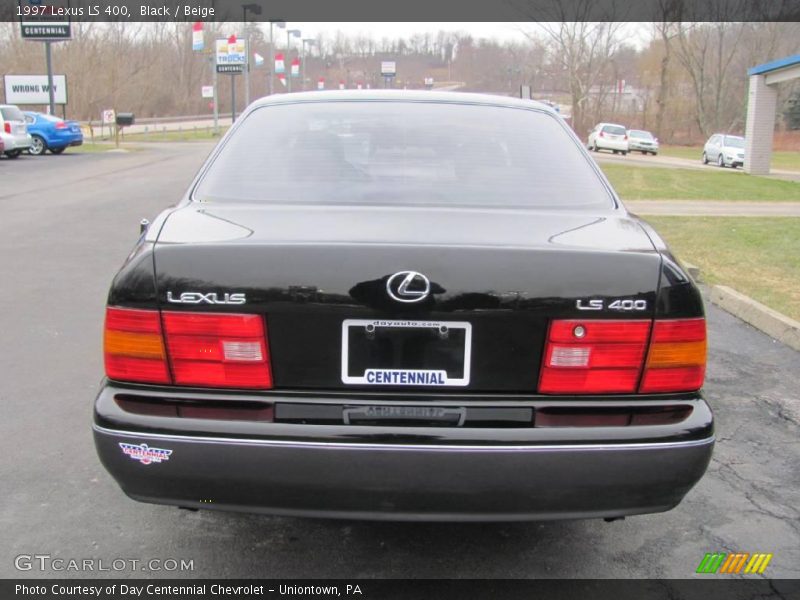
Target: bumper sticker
x: 144, y: 453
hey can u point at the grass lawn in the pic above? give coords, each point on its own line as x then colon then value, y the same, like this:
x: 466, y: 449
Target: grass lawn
x: 650, y: 183
x: 759, y: 257
x: 780, y: 159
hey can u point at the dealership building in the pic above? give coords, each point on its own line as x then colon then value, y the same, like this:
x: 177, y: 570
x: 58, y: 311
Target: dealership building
x: 761, y: 106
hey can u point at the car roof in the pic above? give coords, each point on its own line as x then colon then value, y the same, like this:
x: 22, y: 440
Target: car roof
x: 402, y: 95
x: 604, y: 124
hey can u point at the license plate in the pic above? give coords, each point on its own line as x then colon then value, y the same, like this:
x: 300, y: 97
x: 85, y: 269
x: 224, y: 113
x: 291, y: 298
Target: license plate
x: 406, y: 353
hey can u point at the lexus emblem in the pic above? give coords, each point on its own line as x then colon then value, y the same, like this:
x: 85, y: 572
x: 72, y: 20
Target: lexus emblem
x: 408, y: 286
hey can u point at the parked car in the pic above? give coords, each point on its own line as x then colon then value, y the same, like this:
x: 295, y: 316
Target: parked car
x: 642, y: 141
x: 51, y: 133
x: 13, y: 131
x: 608, y: 136
x: 403, y: 305
x: 724, y: 150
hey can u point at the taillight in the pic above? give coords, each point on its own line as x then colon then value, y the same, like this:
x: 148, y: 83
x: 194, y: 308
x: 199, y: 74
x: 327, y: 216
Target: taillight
x: 202, y: 349
x: 585, y: 357
x: 217, y: 350
x: 676, y: 361
x: 601, y: 134
x: 61, y: 125
x: 7, y: 127
x: 133, y: 346
x: 594, y: 356
x: 625, y: 138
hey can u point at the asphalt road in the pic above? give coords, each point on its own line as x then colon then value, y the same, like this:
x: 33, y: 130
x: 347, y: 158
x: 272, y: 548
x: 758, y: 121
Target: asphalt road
x: 68, y: 222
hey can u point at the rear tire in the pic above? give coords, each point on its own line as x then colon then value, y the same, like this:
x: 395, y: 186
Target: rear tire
x: 39, y: 146
x: 594, y: 147
x: 57, y: 150
x: 705, y: 159
x: 624, y: 153
x: 13, y: 153
x: 720, y: 162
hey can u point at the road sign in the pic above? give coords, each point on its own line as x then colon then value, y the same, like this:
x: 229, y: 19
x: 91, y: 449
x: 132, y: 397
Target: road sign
x: 32, y: 89
x: 207, y: 91
x: 109, y: 117
x: 388, y: 68
x: 231, y: 55
x: 45, y: 20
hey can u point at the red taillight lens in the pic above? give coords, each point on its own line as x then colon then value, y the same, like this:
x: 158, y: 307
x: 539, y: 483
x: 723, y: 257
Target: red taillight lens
x: 7, y: 127
x: 588, y: 357
x: 601, y: 134
x: 133, y: 346
x: 585, y: 357
x: 61, y: 125
x: 218, y: 350
x: 676, y: 361
x: 202, y: 349
x: 625, y: 138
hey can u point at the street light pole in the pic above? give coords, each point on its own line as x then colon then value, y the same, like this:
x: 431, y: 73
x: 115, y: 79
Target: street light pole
x: 271, y: 70
x: 289, y: 33
x: 310, y: 42
x: 256, y: 10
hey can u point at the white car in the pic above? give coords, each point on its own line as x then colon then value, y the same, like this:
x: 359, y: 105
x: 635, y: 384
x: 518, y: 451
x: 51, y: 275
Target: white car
x: 724, y: 150
x: 642, y: 141
x: 14, y: 131
x: 608, y: 136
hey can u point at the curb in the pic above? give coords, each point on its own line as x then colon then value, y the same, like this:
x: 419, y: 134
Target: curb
x: 771, y: 322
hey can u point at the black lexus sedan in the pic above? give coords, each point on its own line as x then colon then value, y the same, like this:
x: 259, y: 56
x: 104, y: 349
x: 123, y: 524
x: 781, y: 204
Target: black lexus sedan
x: 404, y: 305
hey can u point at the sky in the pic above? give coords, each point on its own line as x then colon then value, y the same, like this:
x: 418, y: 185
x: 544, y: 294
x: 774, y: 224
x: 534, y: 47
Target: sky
x: 638, y: 35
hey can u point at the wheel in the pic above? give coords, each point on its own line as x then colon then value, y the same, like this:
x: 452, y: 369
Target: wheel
x: 594, y: 147
x: 644, y: 152
x: 720, y: 161
x: 58, y: 150
x: 624, y: 152
x: 38, y: 147
x: 705, y: 159
x: 13, y: 153
x: 654, y: 153
x: 614, y: 151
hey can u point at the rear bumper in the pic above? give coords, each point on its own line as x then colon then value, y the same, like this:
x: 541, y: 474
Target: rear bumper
x: 415, y: 473
x: 607, y: 144
x: 16, y: 142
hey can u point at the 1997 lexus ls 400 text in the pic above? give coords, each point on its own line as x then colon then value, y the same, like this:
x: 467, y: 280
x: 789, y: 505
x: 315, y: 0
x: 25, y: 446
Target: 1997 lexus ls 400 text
x: 404, y: 305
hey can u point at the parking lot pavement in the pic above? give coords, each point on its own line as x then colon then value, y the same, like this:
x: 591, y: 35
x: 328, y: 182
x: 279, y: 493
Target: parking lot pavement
x: 67, y: 224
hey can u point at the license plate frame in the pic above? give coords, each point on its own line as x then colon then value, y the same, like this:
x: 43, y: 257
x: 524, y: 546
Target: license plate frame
x: 431, y: 377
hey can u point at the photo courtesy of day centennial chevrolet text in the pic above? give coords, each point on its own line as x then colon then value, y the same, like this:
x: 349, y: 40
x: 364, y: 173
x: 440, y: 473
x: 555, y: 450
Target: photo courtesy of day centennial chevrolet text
x: 404, y: 305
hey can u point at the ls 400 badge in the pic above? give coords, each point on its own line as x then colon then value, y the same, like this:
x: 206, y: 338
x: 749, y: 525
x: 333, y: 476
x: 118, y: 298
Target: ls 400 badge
x: 209, y: 298
x: 623, y: 304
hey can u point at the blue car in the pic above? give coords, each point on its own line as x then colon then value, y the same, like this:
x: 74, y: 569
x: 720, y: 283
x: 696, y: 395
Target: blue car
x: 51, y: 133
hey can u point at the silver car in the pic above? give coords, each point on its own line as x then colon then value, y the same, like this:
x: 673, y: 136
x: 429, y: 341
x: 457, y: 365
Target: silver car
x: 642, y: 141
x: 14, y: 131
x: 724, y: 150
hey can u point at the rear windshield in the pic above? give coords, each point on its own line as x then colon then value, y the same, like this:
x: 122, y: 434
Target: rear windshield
x: 615, y: 129
x: 402, y: 153
x: 12, y: 113
x: 644, y: 135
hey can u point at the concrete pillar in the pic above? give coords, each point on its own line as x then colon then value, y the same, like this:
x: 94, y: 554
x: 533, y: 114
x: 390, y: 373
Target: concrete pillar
x: 760, y: 127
